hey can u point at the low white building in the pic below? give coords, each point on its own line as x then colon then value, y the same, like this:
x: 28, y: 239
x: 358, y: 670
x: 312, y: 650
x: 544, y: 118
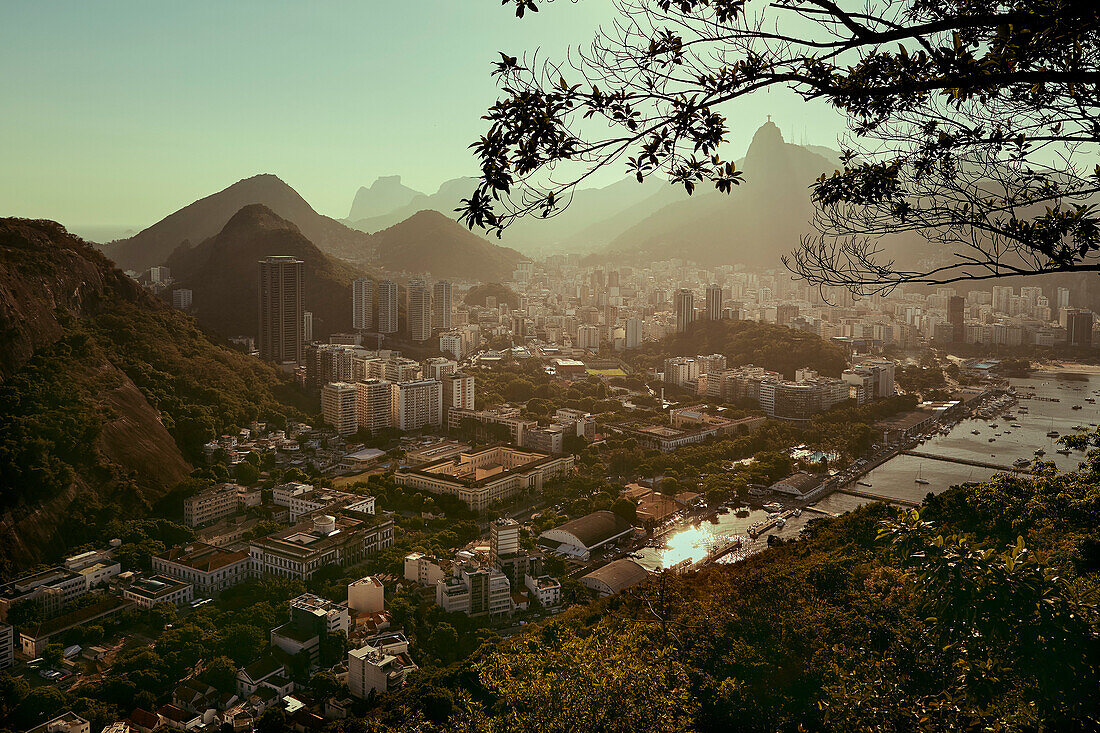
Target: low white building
x: 544, y: 589
x: 148, y: 592
x: 380, y: 665
x: 423, y: 569
x: 367, y: 595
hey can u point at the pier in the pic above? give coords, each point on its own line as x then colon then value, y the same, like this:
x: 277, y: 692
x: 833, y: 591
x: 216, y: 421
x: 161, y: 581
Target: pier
x: 963, y: 461
x: 878, y: 497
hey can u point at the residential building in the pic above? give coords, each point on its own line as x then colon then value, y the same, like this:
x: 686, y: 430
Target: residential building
x: 312, y: 618
x: 416, y: 404
x: 424, y: 569
x: 362, y: 304
x: 418, y: 310
x: 300, y: 551
x: 339, y: 408
x: 380, y: 665
x: 684, y: 303
x: 307, y: 327
x: 437, y: 367
x: 148, y: 592
x: 714, y: 302
x: 208, y: 568
x: 509, y: 417
x: 475, y: 591
x: 7, y: 645
x: 544, y: 589
x: 182, y: 298
x: 67, y: 722
x: 366, y: 595
x: 211, y: 505
x: 633, y: 333
x: 451, y: 343
x: 441, y: 306
x: 374, y: 404
x: 281, y: 309
x: 387, y: 307
x: 680, y: 370
x: 458, y: 393
x: 486, y: 476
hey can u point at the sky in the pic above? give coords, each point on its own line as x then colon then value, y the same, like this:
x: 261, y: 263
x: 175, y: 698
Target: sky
x: 119, y: 113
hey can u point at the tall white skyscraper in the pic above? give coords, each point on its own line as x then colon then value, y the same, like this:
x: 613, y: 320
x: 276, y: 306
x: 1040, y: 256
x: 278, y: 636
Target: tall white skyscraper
x: 374, y: 404
x: 418, y: 310
x: 362, y: 304
x: 1063, y: 297
x: 633, y: 333
x: 441, y: 306
x: 281, y: 309
x: 416, y: 404
x: 387, y: 307
x: 458, y: 392
x: 338, y: 407
x: 307, y: 326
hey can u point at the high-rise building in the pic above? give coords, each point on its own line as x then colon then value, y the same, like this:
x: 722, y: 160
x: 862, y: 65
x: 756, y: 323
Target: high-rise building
x: 338, y: 407
x: 714, y: 302
x: 362, y: 304
x: 307, y: 327
x: 451, y: 343
x: 458, y: 392
x: 633, y: 336
x: 182, y: 298
x: 785, y: 313
x: 588, y: 337
x: 1063, y: 298
x: 416, y: 404
x: 1079, y: 327
x: 1002, y: 298
x: 281, y: 309
x: 418, y: 310
x: 503, y: 538
x: 684, y: 302
x: 441, y: 306
x: 437, y: 367
x: 387, y: 307
x: 956, y: 316
x: 373, y: 404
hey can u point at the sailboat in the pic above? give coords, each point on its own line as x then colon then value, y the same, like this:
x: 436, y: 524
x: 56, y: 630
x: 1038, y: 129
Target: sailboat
x: 919, y: 479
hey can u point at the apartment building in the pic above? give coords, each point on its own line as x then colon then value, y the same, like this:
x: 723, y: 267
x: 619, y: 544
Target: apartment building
x: 424, y: 569
x: 458, y: 393
x: 212, y: 505
x: 339, y: 408
x: 475, y: 591
x: 380, y: 665
x: 374, y: 404
x: 416, y: 404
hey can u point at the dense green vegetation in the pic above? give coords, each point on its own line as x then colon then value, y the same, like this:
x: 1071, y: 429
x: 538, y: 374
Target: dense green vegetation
x: 767, y: 345
x: 978, y: 613
x: 503, y: 294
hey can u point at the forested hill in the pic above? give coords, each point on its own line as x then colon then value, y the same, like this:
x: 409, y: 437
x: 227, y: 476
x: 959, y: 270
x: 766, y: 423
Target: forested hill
x: 107, y: 394
x: 978, y: 614
x: 767, y: 345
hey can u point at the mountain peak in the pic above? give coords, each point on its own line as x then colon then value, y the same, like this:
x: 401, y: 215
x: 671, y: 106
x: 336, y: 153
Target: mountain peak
x: 257, y: 216
x: 767, y: 137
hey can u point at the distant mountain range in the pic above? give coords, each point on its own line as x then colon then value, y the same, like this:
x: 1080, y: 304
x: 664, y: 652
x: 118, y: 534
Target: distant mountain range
x: 431, y: 243
x: 223, y: 275
x: 206, y: 217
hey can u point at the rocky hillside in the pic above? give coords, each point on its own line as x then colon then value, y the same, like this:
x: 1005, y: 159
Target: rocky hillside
x: 107, y: 394
x: 206, y: 217
x: 223, y: 273
x: 430, y: 241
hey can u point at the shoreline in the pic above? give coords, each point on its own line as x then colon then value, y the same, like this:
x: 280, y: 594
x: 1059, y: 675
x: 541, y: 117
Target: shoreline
x: 1065, y: 368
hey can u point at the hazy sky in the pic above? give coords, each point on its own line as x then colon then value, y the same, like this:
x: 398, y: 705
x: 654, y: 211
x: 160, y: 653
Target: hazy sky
x: 118, y: 113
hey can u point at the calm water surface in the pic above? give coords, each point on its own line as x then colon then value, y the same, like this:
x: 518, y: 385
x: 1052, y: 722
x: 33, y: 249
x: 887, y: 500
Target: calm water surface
x: 895, y: 478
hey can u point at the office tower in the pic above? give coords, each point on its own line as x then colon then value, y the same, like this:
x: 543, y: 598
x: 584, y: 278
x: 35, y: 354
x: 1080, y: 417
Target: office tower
x: 159, y: 274
x: 387, y: 307
x: 362, y: 304
x: 1002, y: 298
x: 373, y: 404
x: 785, y: 313
x: 338, y: 407
x: 418, y: 310
x: 281, y: 309
x: 1063, y: 297
x: 633, y: 330
x: 307, y: 327
x: 458, y: 392
x: 956, y: 317
x: 714, y: 302
x: 441, y: 306
x: 416, y: 404
x: 613, y: 279
x: 182, y: 298
x: 1079, y: 328
x: 684, y: 302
